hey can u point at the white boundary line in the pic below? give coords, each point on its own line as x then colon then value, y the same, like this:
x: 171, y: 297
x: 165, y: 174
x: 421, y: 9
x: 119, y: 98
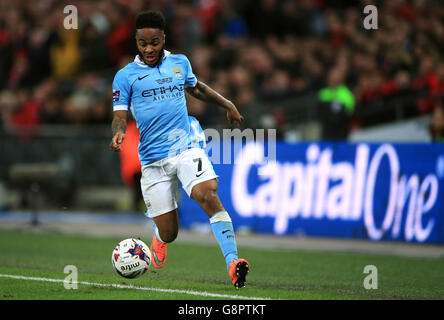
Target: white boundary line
x: 120, y: 286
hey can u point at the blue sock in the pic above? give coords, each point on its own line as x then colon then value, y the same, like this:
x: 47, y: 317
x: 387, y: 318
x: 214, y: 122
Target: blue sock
x: 224, y: 233
x: 156, y: 233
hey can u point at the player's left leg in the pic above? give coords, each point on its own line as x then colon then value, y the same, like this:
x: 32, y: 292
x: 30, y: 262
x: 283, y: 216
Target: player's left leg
x: 205, y: 193
x: 199, y: 180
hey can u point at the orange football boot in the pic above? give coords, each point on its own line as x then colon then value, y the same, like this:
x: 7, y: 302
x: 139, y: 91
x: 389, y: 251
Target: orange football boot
x: 238, y: 271
x: 158, y: 252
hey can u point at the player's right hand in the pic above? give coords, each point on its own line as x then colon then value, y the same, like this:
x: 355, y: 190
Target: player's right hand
x: 116, y: 142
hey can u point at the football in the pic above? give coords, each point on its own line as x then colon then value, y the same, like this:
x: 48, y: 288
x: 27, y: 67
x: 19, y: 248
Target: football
x: 131, y: 258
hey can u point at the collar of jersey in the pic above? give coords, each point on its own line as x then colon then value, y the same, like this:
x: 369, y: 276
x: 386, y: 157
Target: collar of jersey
x: 143, y: 64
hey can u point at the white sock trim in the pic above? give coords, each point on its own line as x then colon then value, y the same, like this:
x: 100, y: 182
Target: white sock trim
x: 222, y: 216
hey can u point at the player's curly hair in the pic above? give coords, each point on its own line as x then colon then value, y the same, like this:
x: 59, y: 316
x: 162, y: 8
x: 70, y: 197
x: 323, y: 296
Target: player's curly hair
x: 150, y: 19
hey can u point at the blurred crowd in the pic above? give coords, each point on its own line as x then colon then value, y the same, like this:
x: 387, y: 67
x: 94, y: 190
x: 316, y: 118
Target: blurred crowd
x: 251, y: 51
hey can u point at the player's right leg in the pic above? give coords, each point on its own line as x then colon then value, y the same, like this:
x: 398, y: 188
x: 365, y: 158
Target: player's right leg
x: 159, y: 187
x: 165, y: 230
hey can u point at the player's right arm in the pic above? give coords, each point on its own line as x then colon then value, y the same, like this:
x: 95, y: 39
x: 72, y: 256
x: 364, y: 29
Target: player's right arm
x: 118, y: 127
x: 121, y: 101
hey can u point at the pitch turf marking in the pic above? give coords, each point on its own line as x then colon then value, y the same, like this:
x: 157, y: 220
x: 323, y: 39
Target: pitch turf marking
x: 120, y: 286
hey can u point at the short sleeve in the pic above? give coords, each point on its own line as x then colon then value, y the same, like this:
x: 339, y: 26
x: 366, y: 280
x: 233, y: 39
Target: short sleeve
x: 121, y: 92
x: 191, y: 79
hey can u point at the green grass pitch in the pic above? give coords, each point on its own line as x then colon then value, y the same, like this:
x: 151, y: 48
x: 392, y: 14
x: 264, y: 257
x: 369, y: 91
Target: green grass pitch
x: 193, y: 271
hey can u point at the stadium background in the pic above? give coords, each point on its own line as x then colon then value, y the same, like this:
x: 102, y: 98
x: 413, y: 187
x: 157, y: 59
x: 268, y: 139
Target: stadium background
x: 308, y: 69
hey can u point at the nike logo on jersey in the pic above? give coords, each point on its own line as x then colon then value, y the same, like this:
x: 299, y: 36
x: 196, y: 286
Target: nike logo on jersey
x: 140, y: 78
x: 225, y: 231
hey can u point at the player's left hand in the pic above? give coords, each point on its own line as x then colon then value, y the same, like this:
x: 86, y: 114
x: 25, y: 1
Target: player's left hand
x: 234, y: 117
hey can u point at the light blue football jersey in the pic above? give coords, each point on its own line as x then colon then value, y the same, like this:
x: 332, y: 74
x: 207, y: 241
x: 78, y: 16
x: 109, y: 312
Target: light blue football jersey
x: 156, y: 98
x: 197, y: 135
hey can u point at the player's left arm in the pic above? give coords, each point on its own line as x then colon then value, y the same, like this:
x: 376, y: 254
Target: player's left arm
x: 203, y: 92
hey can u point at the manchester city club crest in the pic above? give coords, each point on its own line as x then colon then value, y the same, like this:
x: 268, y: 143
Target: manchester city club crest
x: 177, y: 71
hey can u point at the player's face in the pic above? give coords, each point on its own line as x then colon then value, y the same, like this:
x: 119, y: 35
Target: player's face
x: 150, y: 43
